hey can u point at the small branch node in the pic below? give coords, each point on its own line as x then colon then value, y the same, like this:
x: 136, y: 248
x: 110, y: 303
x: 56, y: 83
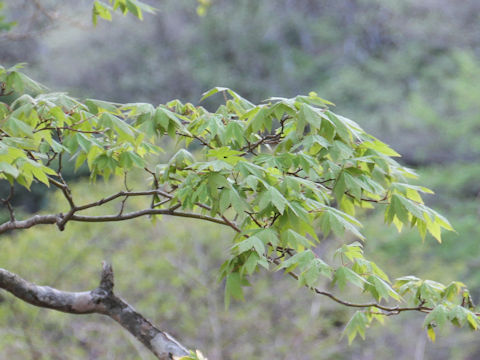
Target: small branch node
x: 106, y: 281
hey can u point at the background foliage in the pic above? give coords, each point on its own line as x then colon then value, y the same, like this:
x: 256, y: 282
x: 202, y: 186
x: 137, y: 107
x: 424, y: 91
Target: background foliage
x: 386, y: 64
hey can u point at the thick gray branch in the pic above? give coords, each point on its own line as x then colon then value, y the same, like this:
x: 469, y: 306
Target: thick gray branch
x: 28, y: 223
x: 101, y: 300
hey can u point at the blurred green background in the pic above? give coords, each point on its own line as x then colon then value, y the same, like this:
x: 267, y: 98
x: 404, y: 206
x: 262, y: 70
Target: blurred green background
x: 407, y: 71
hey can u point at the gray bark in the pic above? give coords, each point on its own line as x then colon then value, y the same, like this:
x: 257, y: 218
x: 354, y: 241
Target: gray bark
x: 101, y: 300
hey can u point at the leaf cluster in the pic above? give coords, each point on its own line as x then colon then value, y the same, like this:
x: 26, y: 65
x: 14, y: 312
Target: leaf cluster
x: 283, y: 174
x: 104, y: 10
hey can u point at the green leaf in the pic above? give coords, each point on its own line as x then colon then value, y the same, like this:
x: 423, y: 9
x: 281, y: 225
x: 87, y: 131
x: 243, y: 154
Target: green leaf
x: 213, y: 91
x: 277, y: 199
x: 380, y: 289
x: 295, y: 240
x: 415, y: 209
x: 37, y: 170
x: 461, y: 316
x: 341, y: 128
x: 431, y: 333
x: 340, y: 187
x: 453, y: 290
x: 315, y: 269
x: 431, y: 291
x: 397, y: 209
x: 339, y: 221
x: 356, y: 326
x: 124, y: 130
x: 301, y: 260
x: 251, y: 264
x: 234, y: 287
x: 182, y: 159
x: 14, y: 81
x: 128, y: 159
x: 134, y: 9
x: 19, y: 127
x: 249, y: 243
x: 380, y: 147
x: 343, y: 275
x: 268, y: 236
x: 407, y: 284
x: 102, y: 10
x: 97, y: 106
x: 9, y: 169
x: 310, y: 115
x: 351, y: 251
x: 226, y: 154
x: 438, y: 316
x: 235, y: 131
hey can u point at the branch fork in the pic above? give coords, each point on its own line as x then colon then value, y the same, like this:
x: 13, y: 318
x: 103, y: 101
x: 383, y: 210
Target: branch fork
x: 101, y: 300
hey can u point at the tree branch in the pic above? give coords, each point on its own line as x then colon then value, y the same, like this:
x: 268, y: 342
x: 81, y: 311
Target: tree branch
x: 135, y: 214
x: 101, y: 300
x: 28, y: 223
x: 8, y: 204
x: 387, y: 310
x: 120, y: 194
x: 60, y: 219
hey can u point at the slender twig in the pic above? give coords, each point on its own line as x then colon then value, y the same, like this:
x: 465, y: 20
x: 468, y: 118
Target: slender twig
x: 379, y: 201
x: 41, y: 8
x: 204, y: 142
x: 51, y: 158
x: 267, y: 139
x: 254, y: 219
x: 8, y: 204
x: 156, y: 185
x: 124, y: 200
x: 135, y: 214
x: 389, y: 310
x: 160, y: 203
x: 275, y: 217
x: 72, y: 129
x: 120, y: 194
x: 122, y: 205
